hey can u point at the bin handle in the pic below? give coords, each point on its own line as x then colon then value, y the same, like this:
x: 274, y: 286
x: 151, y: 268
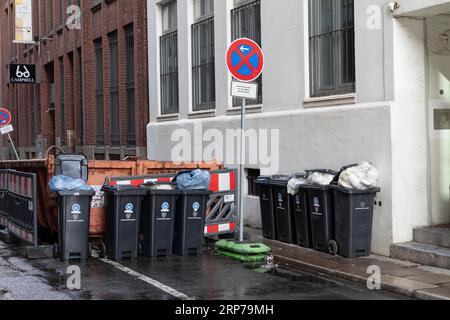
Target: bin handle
x: 51, y: 148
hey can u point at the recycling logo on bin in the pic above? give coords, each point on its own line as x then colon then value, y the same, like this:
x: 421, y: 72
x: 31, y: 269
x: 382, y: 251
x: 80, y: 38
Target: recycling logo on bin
x: 76, y: 211
x: 280, y: 200
x: 165, y: 209
x: 129, y: 210
x: 195, y: 207
x: 317, y: 206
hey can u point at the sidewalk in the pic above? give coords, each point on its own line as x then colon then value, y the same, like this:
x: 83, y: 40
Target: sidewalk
x: 398, y: 276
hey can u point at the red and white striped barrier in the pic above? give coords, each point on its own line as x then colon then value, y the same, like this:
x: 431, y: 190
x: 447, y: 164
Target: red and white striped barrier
x: 139, y: 181
x: 21, y: 186
x: 221, y: 181
x: 220, y: 228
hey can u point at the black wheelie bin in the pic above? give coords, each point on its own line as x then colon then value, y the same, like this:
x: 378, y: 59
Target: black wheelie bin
x: 190, y: 216
x: 123, y: 212
x: 302, y: 218
x: 353, y: 221
x: 158, y: 219
x: 321, y: 211
x: 264, y: 188
x: 284, y: 218
x: 74, y: 210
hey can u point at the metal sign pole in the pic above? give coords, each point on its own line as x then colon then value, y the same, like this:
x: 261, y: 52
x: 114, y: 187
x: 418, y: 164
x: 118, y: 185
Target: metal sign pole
x: 241, y: 175
x: 13, y: 146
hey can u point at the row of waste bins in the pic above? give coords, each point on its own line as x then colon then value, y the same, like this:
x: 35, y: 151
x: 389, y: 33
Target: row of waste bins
x: 139, y: 220
x: 327, y: 218
x: 152, y: 219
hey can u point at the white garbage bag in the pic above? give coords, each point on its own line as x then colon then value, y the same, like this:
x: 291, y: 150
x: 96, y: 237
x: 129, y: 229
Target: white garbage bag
x: 364, y: 176
x: 320, y: 178
x: 294, y: 185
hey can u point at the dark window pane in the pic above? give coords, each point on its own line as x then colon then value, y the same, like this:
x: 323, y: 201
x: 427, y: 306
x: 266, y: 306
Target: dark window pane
x: 99, y: 92
x: 114, y: 88
x: 169, y: 73
x: 332, y: 47
x: 203, y: 73
x: 129, y: 56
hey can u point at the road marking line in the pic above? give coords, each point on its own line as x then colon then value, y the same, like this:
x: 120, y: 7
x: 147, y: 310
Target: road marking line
x: 146, y: 279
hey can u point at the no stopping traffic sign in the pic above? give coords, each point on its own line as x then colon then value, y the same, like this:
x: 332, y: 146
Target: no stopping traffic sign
x: 5, y: 117
x: 245, y: 60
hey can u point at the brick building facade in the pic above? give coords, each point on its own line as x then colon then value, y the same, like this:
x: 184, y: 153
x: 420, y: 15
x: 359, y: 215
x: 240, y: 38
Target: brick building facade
x: 92, y: 95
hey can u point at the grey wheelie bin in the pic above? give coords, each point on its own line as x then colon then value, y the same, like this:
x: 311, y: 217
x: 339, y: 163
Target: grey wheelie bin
x: 190, y: 222
x: 123, y: 211
x: 74, y: 210
x: 74, y: 218
x: 267, y: 209
x: 158, y: 220
x: 284, y: 218
x: 353, y: 222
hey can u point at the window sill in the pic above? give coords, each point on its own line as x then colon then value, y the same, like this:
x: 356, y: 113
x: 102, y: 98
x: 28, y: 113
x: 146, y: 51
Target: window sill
x: 168, y: 117
x: 258, y: 108
x: 202, y: 114
x: 329, y: 101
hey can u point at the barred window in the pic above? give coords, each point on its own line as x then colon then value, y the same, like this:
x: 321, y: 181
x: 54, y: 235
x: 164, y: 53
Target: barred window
x: 332, y: 47
x: 203, y: 73
x: 99, y: 92
x: 129, y: 56
x: 114, y: 88
x: 246, y: 23
x: 168, y: 45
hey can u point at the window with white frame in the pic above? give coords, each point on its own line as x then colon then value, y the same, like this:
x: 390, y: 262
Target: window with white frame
x: 203, y: 72
x: 169, y: 60
x: 332, y: 47
x: 246, y: 23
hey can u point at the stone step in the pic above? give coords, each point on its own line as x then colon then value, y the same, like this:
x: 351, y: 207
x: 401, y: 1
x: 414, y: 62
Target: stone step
x: 437, y: 236
x: 422, y: 253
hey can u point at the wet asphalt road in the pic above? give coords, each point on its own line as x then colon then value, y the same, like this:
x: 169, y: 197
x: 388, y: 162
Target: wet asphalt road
x: 208, y: 277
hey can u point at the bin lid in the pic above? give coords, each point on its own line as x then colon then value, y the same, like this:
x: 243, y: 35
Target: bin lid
x: 76, y: 193
x: 263, y: 179
x: 316, y: 187
x: 281, y: 179
x: 74, y: 166
x: 125, y: 190
x: 195, y: 192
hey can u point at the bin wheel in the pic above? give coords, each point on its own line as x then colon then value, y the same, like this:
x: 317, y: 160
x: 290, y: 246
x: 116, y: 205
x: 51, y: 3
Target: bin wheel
x: 102, y: 250
x: 55, y: 251
x: 333, y: 247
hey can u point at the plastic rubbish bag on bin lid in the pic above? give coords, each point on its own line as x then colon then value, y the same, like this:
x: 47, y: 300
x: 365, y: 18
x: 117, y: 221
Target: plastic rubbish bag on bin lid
x: 195, y: 180
x: 321, y: 177
x: 63, y: 183
x: 295, y: 183
x: 364, y: 176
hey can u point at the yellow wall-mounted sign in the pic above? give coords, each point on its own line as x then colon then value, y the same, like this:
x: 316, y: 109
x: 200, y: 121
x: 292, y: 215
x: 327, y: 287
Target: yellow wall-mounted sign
x: 23, y: 29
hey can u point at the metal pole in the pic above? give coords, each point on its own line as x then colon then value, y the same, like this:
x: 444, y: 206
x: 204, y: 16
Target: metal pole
x: 13, y: 146
x: 241, y: 175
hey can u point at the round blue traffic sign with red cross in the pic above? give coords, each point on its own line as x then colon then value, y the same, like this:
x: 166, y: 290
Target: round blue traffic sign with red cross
x: 245, y: 60
x: 5, y: 117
